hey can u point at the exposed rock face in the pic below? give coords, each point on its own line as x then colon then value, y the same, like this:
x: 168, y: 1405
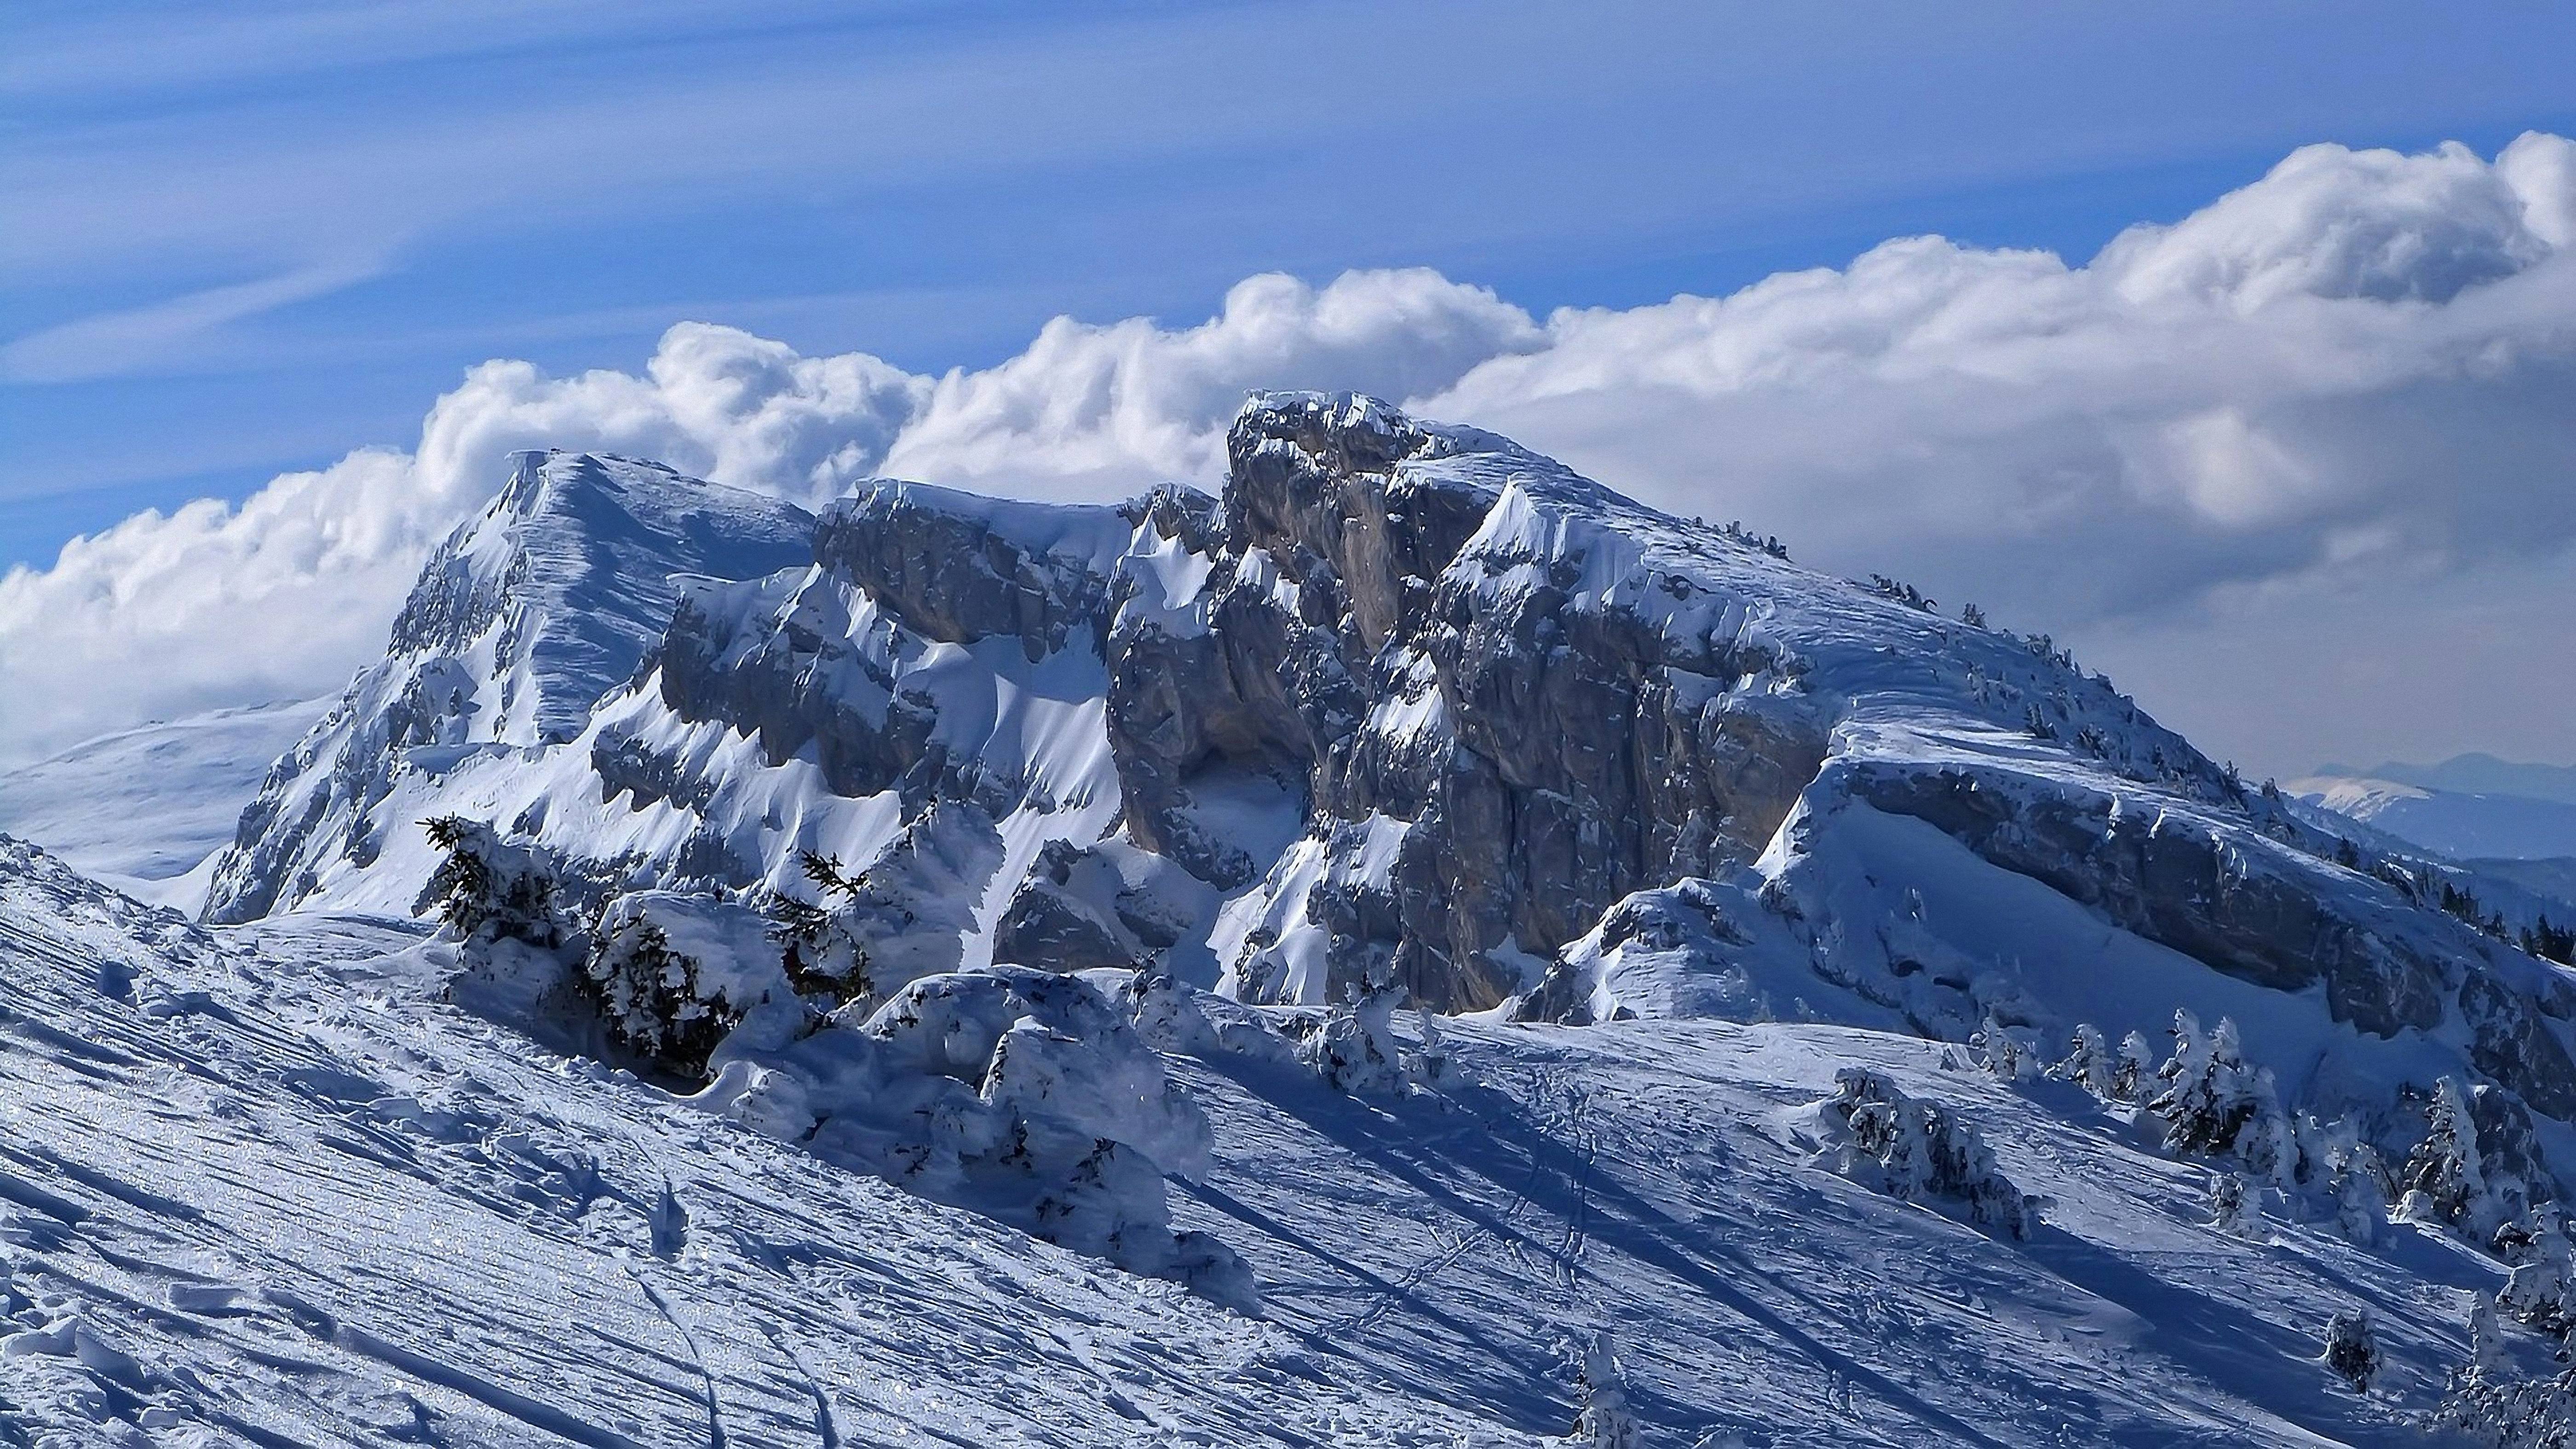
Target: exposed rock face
x: 1406, y: 706
x: 1492, y: 753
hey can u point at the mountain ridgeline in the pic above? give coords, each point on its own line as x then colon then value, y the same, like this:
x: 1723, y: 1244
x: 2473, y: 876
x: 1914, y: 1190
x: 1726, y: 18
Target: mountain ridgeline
x: 1408, y: 713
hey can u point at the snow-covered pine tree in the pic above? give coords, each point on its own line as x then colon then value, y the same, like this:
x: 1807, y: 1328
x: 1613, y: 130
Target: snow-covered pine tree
x: 1430, y: 1065
x: 1920, y: 1151
x: 2444, y: 1180
x: 2000, y: 1052
x: 2351, y: 1350
x: 2486, y: 1338
x: 2268, y: 1144
x: 2208, y: 1094
x: 1356, y: 1050
x: 2235, y: 1204
x: 2089, y: 1063
x: 2135, y: 1069
x: 822, y: 953
x: 1606, y: 1422
x: 650, y: 994
x: 2359, y: 1183
x: 2536, y: 1295
x: 487, y: 889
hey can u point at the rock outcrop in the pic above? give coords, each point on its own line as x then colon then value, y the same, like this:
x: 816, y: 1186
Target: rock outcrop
x: 1406, y: 708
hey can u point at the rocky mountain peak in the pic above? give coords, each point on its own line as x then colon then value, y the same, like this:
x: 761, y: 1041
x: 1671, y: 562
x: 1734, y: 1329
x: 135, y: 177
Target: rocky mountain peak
x: 521, y: 620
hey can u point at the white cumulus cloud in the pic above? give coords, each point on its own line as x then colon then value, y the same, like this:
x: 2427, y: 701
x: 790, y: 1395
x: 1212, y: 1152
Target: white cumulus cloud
x: 2346, y: 386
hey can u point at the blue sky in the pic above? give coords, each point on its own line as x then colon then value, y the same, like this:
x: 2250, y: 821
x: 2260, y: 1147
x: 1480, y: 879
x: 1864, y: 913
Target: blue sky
x: 248, y: 239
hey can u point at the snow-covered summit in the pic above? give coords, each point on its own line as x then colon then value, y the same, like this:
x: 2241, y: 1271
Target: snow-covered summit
x: 1407, y: 708
x: 521, y: 620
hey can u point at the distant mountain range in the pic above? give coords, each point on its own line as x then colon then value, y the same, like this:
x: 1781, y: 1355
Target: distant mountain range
x: 2474, y: 774
x: 2535, y: 822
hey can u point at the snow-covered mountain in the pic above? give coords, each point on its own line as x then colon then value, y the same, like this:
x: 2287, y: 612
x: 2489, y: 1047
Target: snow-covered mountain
x: 2473, y: 774
x: 2461, y: 824
x: 148, y: 808
x: 520, y: 621
x: 1408, y: 705
x: 833, y: 904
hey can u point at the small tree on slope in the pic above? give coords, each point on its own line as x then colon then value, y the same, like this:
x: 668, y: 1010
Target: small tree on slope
x: 2089, y: 1064
x: 487, y: 889
x: 821, y: 948
x: 1920, y: 1151
x: 1605, y: 1422
x: 2209, y: 1094
x: 2350, y: 1349
x: 2445, y: 1178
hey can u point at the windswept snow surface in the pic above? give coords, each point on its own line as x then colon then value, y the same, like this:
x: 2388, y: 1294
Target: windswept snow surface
x: 147, y: 807
x: 268, y: 1189
x: 266, y: 1186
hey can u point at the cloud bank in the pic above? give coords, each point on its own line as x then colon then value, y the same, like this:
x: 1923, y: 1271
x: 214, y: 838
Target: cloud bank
x: 2352, y: 379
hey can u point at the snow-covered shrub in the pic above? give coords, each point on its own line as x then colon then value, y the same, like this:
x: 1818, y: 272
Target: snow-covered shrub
x: 1356, y: 1050
x: 1164, y: 1010
x: 2350, y: 1349
x: 1606, y: 1422
x: 487, y: 889
x: 1025, y: 1095
x: 1921, y: 1152
x: 2500, y: 1411
x: 2537, y: 1292
x: 674, y: 973
x: 2089, y: 1063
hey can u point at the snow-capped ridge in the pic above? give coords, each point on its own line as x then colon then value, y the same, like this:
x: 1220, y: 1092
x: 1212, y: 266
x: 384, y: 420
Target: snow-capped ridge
x: 521, y: 621
x: 1410, y: 708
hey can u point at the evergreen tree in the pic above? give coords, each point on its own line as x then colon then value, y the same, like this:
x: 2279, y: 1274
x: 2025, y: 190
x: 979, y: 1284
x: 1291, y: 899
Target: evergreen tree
x: 2537, y: 1292
x: 488, y: 890
x: 2135, y: 1068
x: 822, y: 953
x: 2359, y: 1184
x: 1356, y: 1050
x: 2208, y: 1094
x: 2445, y: 1177
x: 1606, y: 1422
x: 2089, y: 1063
x: 2235, y: 1204
x: 2351, y: 1349
x: 1919, y: 1150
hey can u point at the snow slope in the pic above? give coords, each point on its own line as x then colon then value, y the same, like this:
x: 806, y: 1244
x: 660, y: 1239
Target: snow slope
x: 265, y: 1186
x: 146, y: 807
x: 269, y: 1190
